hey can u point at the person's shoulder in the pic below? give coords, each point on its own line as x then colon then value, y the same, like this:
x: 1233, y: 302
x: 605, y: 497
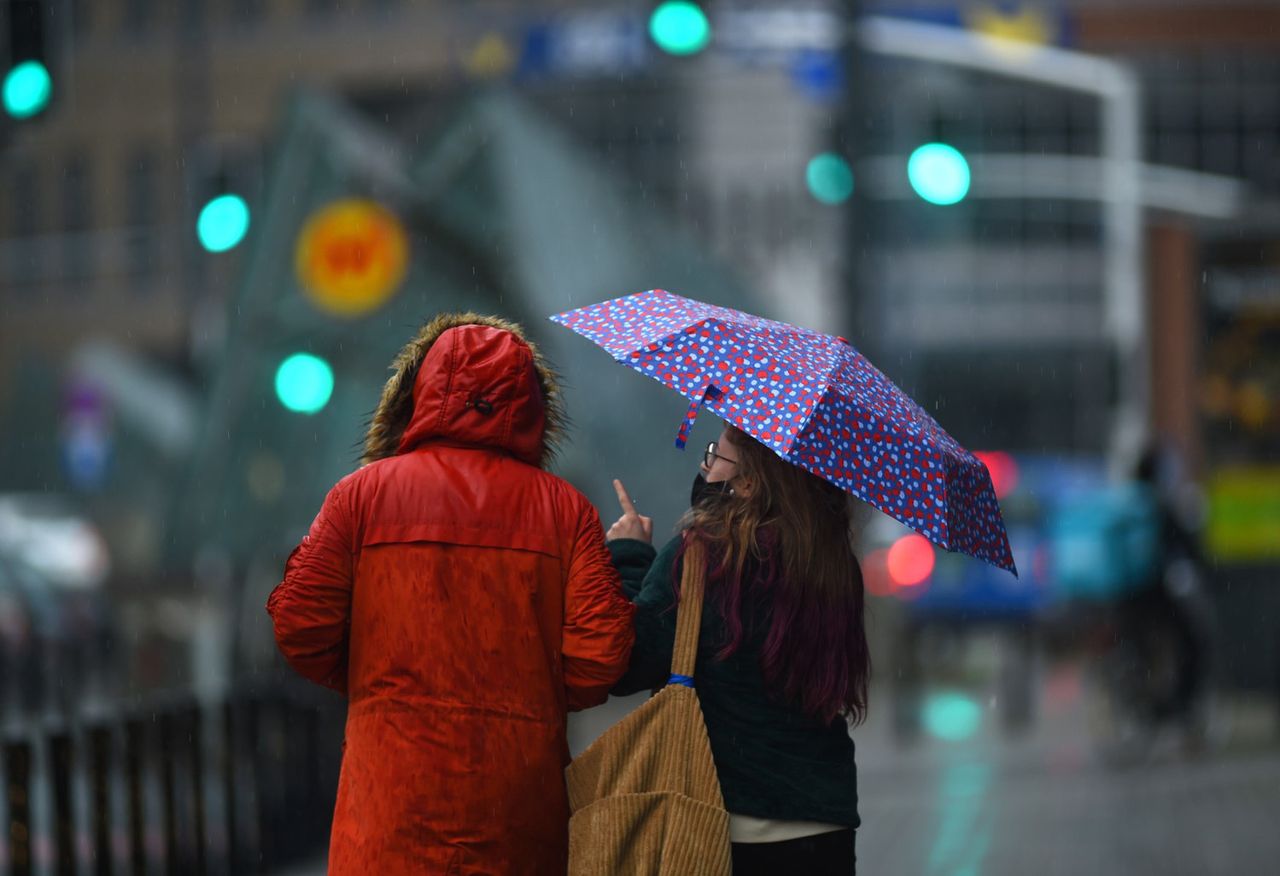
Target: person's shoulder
x: 668, y: 555
x: 673, y: 546
x: 667, y: 562
x: 365, y: 474
x: 562, y: 492
x: 369, y: 479
x: 350, y: 482
x: 567, y: 501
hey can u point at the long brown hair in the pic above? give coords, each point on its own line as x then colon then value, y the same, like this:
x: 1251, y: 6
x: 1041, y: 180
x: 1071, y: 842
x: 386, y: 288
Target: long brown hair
x: 795, y: 531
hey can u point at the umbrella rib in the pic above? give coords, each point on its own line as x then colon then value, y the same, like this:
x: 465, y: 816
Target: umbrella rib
x: 808, y: 418
x: 944, y: 521
x: 825, y: 382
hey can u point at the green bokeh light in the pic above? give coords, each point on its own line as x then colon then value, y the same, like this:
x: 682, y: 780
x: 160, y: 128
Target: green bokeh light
x: 304, y: 383
x: 829, y: 177
x: 939, y: 174
x: 223, y: 223
x: 27, y: 89
x: 951, y: 716
x: 680, y: 28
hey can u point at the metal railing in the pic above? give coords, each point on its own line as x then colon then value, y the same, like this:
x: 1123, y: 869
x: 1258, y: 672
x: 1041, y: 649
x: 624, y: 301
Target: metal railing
x: 175, y: 786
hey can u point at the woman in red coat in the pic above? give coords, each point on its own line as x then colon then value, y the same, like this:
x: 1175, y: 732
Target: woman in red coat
x: 463, y: 599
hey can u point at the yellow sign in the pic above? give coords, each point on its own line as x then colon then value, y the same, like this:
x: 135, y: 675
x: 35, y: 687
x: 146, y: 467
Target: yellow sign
x: 351, y: 256
x: 490, y: 58
x: 1244, y: 513
x: 1014, y: 32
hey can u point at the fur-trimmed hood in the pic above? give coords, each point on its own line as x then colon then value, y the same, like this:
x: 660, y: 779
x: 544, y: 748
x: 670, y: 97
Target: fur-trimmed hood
x: 473, y: 380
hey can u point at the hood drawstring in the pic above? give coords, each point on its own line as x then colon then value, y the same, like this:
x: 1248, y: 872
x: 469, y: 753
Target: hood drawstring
x: 481, y: 405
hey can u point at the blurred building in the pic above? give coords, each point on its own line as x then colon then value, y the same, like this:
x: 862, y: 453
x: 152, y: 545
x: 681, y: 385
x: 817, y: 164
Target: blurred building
x: 217, y: 481
x: 113, y: 311
x: 1211, y: 73
x: 993, y: 309
x: 158, y: 107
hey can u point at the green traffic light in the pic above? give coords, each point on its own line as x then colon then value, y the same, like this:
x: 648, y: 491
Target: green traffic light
x: 304, y: 383
x: 829, y: 177
x: 223, y: 223
x: 952, y: 716
x: 680, y: 28
x: 939, y: 173
x: 27, y: 89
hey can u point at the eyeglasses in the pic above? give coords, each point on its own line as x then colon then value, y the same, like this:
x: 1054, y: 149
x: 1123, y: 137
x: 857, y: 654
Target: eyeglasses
x: 710, y: 456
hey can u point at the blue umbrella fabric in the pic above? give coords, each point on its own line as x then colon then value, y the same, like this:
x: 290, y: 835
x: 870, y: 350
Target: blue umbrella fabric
x: 816, y: 402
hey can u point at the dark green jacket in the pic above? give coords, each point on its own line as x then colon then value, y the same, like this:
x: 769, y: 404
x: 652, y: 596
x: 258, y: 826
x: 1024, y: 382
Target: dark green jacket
x: 773, y: 761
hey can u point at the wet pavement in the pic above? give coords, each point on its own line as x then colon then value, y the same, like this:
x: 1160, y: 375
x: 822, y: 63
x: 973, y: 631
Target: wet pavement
x: 967, y: 800
x: 1044, y: 804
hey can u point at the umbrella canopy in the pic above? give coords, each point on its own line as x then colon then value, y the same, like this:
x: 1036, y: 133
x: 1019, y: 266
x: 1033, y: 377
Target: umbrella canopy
x: 816, y: 402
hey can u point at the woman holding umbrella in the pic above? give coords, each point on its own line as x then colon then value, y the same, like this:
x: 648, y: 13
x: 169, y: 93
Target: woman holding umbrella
x: 782, y: 664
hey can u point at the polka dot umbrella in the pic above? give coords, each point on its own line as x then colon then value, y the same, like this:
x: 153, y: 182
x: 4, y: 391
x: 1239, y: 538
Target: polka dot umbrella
x: 816, y: 402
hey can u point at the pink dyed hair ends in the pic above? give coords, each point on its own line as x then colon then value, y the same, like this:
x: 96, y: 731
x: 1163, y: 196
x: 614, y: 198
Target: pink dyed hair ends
x: 791, y: 537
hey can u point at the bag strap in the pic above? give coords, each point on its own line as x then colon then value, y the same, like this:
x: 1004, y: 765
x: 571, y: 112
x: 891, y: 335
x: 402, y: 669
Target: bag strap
x: 684, y: 655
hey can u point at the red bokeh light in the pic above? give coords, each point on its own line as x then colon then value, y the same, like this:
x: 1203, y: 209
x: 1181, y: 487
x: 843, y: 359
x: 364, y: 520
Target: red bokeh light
x: 1004, y: 471
x: 875, y: 573
x: 910, y: 561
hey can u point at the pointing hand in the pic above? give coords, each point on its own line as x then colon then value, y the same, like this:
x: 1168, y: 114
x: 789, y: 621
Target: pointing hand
x: 630, y: 524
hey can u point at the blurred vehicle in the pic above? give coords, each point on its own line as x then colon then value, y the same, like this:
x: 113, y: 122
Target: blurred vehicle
x: 56, y: 626
x: 47, y: 532
x: 23, y: 629
x: 35, y: 642
x: 950, y: 602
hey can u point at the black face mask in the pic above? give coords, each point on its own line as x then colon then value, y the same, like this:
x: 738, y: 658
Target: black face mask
x: 702, y: 490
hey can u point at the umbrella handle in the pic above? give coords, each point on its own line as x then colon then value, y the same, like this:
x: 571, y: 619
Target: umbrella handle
x: 682, y: 437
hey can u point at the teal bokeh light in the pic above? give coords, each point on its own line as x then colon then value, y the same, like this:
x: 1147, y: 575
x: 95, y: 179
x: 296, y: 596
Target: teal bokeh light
x: 304, y: 383
x: 680, y: 28
x: 939, y: 173
x: 223, y: 223
x: 829, y: 177
x: 27, y: 89
x: 951, y: 716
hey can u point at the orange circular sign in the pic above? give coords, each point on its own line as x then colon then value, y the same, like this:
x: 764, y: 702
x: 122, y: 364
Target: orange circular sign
x: 352, y: 256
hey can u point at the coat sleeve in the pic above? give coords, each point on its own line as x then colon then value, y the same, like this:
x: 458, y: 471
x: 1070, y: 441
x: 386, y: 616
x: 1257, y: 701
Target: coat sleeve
x: 597, y: 618
x: 655, y: 619
x: 632, y: 559
x: 311, y: 608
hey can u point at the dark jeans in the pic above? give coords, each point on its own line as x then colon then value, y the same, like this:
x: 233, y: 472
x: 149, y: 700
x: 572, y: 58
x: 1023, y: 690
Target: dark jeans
x: 825, y: 854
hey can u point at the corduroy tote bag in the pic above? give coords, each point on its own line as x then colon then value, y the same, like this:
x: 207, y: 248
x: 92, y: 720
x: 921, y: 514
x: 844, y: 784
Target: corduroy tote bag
x: 644, y: 797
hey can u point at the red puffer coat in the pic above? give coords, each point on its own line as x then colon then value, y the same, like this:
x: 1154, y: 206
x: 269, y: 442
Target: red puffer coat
x: 463, y: 599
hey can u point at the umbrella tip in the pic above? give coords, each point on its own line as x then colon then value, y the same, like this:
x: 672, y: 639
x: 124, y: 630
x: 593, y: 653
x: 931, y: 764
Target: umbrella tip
x: 843, y: 340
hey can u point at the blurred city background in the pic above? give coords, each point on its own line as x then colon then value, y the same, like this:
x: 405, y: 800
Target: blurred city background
x: 1054, y: 223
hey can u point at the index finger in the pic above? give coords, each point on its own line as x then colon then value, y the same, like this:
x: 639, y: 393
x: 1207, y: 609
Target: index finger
x: 628, y: 507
